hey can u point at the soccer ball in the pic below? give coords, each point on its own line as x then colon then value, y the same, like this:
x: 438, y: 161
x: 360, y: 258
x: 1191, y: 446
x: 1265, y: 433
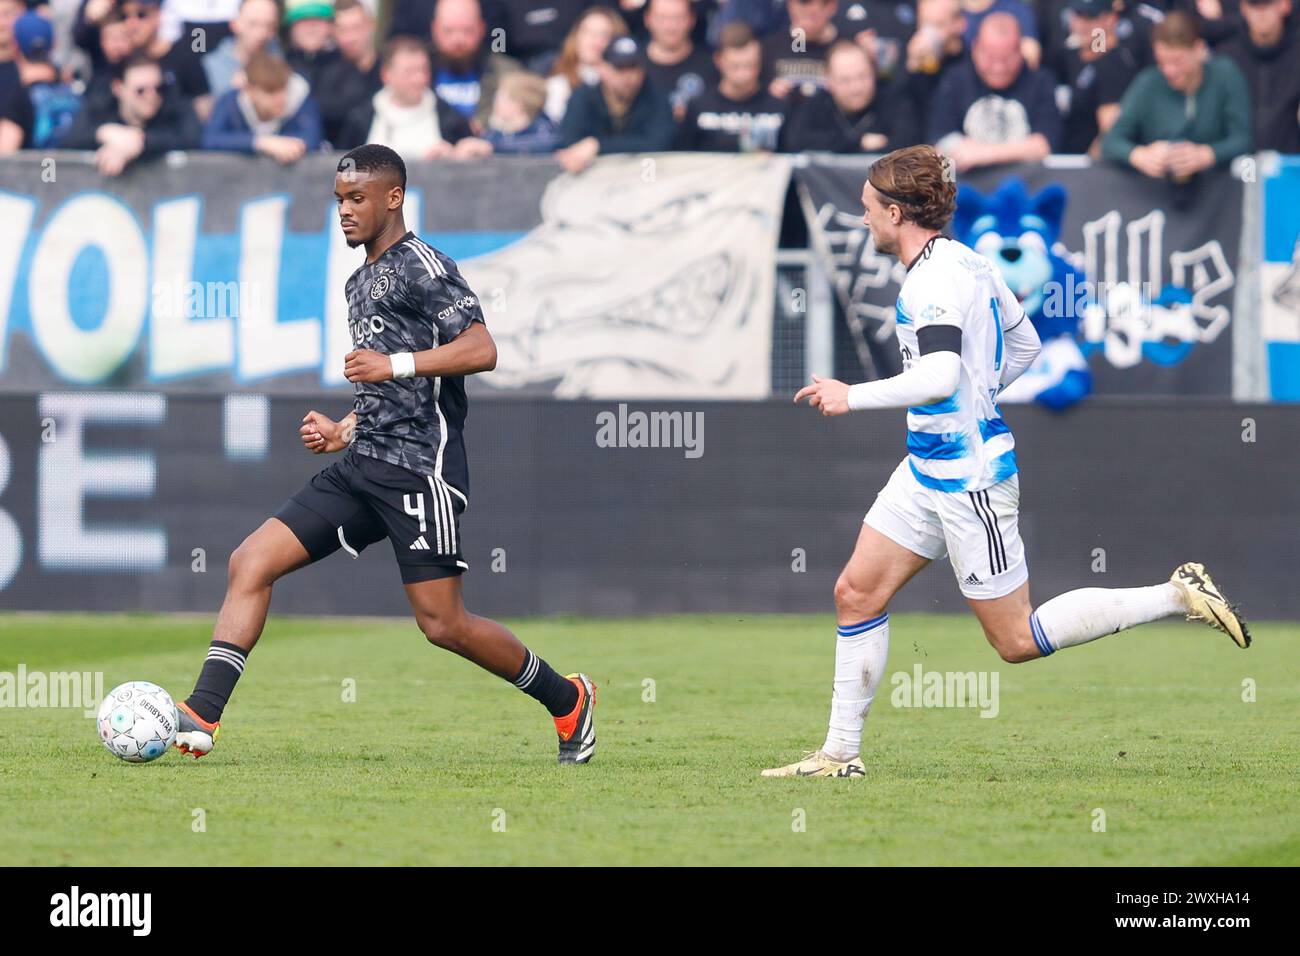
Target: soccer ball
x: 137, y: 721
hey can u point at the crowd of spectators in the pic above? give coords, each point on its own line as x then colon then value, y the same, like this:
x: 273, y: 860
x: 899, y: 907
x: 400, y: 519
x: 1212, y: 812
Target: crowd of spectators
x: 1169, y: 87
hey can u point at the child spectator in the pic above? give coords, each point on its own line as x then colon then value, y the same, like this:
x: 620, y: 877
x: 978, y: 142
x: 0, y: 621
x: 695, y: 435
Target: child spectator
x: 517, y: 123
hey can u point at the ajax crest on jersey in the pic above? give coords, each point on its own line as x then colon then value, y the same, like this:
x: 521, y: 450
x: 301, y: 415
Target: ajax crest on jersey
x: 138, y: 721
x: 380, y: 286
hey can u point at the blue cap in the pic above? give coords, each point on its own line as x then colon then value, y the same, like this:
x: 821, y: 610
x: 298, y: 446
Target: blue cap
x: 34, y: 35
x: 624, y: 52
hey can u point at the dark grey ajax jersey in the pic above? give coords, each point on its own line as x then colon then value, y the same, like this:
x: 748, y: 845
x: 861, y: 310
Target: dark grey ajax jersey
x: 412, y: 298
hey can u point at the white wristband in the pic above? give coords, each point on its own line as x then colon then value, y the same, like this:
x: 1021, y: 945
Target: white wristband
x: 403, y: 364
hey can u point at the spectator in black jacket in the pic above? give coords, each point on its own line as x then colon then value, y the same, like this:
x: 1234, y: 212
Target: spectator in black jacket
x: 675, y: 66
x: 406, y: 115
x: 1268, y: 53
x: 115, y: 48
x: 182, y: 68
x: 737, y: 115
x: 352, y: 78
x: 934, y: 50
x: 1217, y: 20
x: 16, y: 115
x: 144, y: 119
x: 535, y: 29
x: 623, y: 114
x: 1097, y: 67
x: 309, y: 39
x: 995, y: 109
x: 86, y: 29
x: 110, y: 31
x: 850, y: 115
x: 794, y: 58
x: 881, y: 27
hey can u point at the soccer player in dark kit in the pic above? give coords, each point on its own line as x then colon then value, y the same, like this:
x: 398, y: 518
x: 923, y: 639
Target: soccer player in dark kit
x: 417, y: 330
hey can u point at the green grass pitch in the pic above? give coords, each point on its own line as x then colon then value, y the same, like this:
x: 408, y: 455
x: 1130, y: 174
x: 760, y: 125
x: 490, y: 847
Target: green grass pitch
x: 438, y: 763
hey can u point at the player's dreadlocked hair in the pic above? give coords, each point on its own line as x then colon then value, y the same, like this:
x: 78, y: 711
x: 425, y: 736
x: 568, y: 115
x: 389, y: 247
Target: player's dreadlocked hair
x: 920, y: 181
x: 373, y: 158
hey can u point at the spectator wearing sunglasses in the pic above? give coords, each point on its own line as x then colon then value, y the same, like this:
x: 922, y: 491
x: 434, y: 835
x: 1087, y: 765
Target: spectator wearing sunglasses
x: 140, y: 23
x: 142, y: 120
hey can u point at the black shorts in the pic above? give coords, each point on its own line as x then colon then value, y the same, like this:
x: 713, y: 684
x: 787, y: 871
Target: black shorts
x: 360, y: 500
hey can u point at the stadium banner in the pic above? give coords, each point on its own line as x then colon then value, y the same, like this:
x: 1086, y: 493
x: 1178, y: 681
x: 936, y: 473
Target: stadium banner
x: 134, y: 501
x: 645, y: 276
x: 1279, y: 285
x: 1148, y: 269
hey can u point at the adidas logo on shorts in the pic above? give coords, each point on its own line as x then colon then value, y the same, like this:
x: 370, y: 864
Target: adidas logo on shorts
x: 419, y: 544
x: 971, y: 579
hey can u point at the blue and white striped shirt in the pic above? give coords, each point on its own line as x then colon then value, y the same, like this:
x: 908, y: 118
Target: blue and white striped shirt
x: 959, y: 443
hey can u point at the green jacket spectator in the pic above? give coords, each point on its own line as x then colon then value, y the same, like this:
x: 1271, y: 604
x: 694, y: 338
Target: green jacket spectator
x: 1186, y: 113
x: 1151, y: 111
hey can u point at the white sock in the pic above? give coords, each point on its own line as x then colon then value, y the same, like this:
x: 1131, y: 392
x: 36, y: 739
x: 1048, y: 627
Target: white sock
x: 1077, y: 617
x: 860, y: 652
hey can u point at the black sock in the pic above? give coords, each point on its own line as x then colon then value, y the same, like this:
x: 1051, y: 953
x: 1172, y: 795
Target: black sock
x: 557, y: 694
x: 216, y: 682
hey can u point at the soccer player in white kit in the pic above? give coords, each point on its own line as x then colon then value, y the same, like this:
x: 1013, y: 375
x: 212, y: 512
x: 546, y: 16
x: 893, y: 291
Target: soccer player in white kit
x: 964, y: 337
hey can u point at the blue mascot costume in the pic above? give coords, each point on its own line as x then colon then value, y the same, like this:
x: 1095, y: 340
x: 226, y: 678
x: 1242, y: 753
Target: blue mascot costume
x: 1017, y: 232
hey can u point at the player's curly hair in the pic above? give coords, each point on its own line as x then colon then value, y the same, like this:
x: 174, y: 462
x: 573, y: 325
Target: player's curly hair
x: 920, y: 182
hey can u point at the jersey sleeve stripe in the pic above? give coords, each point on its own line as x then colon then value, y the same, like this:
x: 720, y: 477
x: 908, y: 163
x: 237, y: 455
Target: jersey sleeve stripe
x: 431, y: 255
x: 426, y: 256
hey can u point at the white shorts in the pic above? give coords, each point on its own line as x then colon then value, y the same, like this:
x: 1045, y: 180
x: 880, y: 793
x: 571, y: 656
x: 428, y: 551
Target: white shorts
x: 979, y: 531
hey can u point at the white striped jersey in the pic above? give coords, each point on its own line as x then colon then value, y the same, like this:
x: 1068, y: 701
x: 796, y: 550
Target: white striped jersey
x: 959, y: 443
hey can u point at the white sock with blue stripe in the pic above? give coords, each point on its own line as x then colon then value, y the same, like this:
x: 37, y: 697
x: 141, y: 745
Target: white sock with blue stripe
x: 1077, y: 617
x: 860, y: 653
